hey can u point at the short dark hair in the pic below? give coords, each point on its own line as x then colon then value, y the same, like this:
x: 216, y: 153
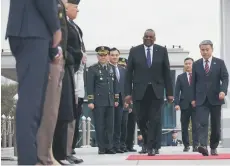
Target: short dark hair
x: 114, y: 49
x: 188, y: 58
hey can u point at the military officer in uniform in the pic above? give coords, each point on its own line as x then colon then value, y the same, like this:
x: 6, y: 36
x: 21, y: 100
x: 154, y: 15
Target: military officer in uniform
x: 102, y: 89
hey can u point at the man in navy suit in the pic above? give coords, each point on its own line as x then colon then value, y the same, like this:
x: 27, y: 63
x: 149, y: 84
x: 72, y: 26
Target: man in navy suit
x: 32, y: 25
x: 148, y: 74
x: 183, y: 98
x: 118, y: 113
x: 209, y: 86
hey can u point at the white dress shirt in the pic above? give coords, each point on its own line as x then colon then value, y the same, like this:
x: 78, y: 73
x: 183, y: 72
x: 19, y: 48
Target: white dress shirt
x: 209, y: 62
x: 151, y: 52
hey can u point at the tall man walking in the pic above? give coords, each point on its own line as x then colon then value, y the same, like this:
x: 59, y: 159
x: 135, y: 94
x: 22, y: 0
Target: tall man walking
x: 31, y: 27
x: 209, y: 86
x: 148, y: 70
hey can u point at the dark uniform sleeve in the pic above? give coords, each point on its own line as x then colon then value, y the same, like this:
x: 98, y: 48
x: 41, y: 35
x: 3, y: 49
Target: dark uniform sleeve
x: 90, y: 84
x: 48, y: 10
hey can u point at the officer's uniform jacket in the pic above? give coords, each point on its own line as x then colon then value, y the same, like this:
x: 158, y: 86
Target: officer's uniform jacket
x: 102, y: 85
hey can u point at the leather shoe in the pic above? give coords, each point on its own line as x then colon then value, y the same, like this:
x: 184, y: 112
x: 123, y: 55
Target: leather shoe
x: 125, y: 149
x: 186, y: 149
x: 118, y: 150
x: 151, y: 152
x: 74, y: 159
x: 131, y: 149
x: 143, y: 150
x: 73, y: 152
x: 110, y: 151
x: 203, y: 150
x: 101, y: 151
x: 157, y: 151
x: 195, y: 149
x: 214, y: 152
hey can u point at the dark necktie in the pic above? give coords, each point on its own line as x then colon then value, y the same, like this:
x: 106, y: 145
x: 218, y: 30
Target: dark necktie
x: 104, y: 67
x: 206, y: 67
x: 149, y: 57
x: 190, y: 79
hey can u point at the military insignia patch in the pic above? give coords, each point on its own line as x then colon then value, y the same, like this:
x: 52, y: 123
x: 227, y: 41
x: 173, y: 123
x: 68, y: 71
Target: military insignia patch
x: 102, y: 48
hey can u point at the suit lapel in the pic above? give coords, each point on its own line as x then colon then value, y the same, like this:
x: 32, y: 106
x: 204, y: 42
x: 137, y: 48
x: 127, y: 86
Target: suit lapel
x: 185, y: 78
x: 201, y: 66
x: 212, y: 65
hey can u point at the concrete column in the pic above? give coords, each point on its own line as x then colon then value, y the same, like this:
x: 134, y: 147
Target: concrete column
x: 225, y: 55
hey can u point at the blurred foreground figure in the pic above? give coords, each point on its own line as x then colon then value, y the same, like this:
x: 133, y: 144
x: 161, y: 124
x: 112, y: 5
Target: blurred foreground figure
x: 32, y: 29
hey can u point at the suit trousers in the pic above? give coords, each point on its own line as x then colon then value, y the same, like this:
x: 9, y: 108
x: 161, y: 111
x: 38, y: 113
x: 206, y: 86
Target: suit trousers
x: 32, y: 67
x: 202, y: 114
x: 124, y: 125
x: 63, y: 139
x: 131, y: 129
x: 118, y: 113
x: 186, y: 115
x: 76, y: 132
x: 50, y: 114
x: 104, y: 126
x: 149, y: 117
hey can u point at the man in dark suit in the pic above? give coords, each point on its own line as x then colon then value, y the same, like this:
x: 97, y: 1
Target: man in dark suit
x: 183, y: 98
x: 209, y: 86
x: 64, y: 131
x: 30, y: 29
x: 114, y: 54
x: 129, y: 140
x: 148, y: 70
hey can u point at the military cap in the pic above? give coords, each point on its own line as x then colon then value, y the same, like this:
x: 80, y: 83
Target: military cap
x: 122, y: 61
x: 74, y: 1
x: 174, y: 131
x: 102, y: 50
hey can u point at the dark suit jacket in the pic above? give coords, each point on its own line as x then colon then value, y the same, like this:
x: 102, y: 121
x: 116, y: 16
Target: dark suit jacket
x: 121, y: 84
x: 209, y: 86
x: 183, y: 91
x: 74, y: 52
x: 33, y: 18
x: 67, y: 108
x: 141, y: 75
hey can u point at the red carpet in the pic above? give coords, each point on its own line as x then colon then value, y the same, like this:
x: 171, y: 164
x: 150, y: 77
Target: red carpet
x: 179, y: 157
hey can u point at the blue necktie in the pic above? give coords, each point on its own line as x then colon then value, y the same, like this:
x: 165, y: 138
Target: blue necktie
x: 148, y: 57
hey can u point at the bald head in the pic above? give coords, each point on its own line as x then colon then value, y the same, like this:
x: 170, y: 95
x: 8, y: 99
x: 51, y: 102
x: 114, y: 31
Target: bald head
x: 149, y: 37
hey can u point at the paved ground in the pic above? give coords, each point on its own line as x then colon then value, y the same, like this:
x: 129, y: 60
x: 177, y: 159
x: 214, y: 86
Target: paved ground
x: 90, y: 157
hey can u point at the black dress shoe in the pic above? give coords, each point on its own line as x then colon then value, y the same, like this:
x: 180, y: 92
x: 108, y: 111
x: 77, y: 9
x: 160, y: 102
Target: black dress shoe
x: 203, y: 150
x: 151, y: 152
x: 73, y: 152
x: 186, y: 149
x: 124, y: 149
x: 118, y: 150
x: 131, y: 150
x: 74, y: 159
x: 101, y: 151
x: 143, y: 150
x: 195, y: 149
x: 214, y: 152
x: 110, y: 151
x: 65, y: 162
x: 157, y: 151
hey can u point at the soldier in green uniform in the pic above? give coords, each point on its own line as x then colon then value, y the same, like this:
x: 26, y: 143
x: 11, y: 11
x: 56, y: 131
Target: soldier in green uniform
x: 102, y: 89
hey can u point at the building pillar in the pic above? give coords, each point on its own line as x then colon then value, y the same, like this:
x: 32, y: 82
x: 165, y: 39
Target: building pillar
x: 225, y: 55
